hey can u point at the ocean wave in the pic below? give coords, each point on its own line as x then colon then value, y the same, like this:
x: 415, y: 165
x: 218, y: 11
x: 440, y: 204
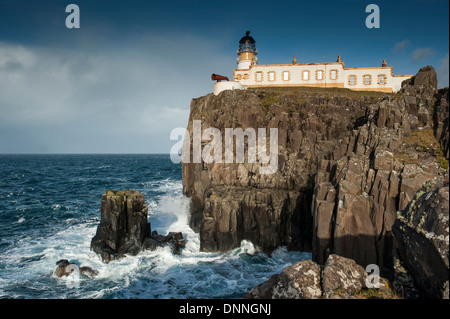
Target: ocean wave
x: 20, y: 220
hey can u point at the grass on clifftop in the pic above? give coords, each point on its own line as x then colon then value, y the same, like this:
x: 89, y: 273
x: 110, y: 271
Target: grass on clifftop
x: 376, y: 294
x: 295, y: 90
x: 425, y: 141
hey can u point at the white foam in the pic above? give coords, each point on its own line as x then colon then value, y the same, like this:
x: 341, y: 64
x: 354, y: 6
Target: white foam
x: 20, y: 220
x: 170, y: 186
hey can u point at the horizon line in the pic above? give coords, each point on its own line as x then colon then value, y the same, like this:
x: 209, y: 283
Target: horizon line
x: 84, y: 154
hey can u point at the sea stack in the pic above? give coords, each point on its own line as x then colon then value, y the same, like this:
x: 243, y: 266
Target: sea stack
x: 124, y: 228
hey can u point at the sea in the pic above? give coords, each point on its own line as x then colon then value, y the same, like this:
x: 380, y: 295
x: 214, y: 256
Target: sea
x: 50, y: 210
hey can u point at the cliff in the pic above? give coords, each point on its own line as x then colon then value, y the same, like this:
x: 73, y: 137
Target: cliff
x: 421, y: 230
x: 421, y: 267
x: 347, y: 162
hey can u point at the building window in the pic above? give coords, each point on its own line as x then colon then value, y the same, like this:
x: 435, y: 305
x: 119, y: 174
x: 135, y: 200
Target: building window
x: 352, y: 80
x: 286, y: 76
x: 246, y: 76
x: 367, y: 79
x: 305, y: 75
x: 319, y: 75
x: 382, y: 79
x: 333, y: 74
x: 271, y: 75
x: 258, y: 76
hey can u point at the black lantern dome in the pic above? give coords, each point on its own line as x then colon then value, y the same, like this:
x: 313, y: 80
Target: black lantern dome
x: 247, y: 44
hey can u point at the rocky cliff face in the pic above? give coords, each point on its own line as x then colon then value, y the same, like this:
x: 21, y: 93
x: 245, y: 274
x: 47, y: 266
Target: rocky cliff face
x: 347, y: 162
x: 421, y: 267
x: 423, y: 238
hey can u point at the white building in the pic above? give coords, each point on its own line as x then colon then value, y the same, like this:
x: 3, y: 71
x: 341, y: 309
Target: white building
x: 328, y: 74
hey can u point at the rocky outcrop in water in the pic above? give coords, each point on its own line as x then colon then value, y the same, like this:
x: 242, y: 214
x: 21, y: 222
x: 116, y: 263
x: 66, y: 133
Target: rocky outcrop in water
x: 65, y: 268
x: 124, y: 228
x: 347, y: 162
x: 339, y: 278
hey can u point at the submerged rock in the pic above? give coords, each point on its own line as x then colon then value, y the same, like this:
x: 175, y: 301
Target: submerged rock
x: 61, y: 268
x: 174, y: 240
x: 65, y: 268
x: 88, y: 272
x: 124, y: 228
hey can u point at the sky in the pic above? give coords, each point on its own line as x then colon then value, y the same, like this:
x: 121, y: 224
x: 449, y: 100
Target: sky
x: 125, y: 79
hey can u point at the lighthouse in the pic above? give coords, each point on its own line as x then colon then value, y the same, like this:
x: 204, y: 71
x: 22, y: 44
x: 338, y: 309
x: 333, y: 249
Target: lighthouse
x: 250, y: 74
x: 247, y: 52
x: 323, y: 74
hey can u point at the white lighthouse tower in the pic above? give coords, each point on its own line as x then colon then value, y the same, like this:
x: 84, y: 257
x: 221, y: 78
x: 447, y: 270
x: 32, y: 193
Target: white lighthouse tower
x: 246, y: 57
x: 247, y: 52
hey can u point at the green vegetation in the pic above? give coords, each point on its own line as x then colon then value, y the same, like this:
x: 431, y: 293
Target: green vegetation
x: 424, y: 141
x: 404, y: 158
x: 384, y: 292
x: 325, y: 91
x: 270, y: 99
x: 376, y: 294
x: 443, y: 162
